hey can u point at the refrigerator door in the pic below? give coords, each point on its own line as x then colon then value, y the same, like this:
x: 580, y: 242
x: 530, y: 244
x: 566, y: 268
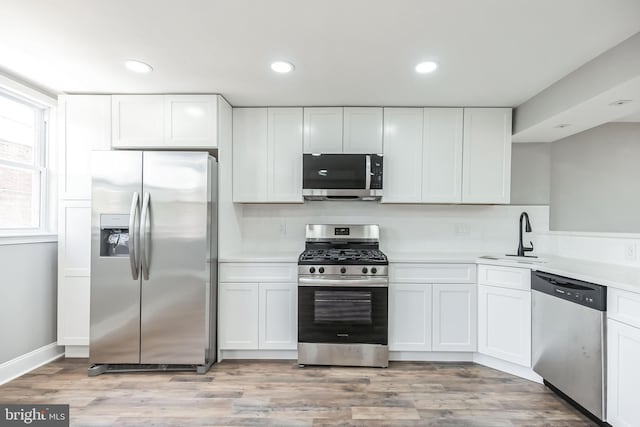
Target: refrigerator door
x: 174, y: 236
x: 115, y: 284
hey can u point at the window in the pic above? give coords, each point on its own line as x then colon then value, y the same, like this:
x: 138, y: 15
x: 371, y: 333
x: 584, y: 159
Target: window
x: 22, y: 165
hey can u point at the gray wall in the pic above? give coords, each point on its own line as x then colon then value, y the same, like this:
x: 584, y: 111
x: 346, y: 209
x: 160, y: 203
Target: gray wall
x: 28, y: 298
x: 530, y: 174
x: 595, y: 180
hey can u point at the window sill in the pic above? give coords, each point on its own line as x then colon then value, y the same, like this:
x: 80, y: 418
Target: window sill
x: 21, y: 239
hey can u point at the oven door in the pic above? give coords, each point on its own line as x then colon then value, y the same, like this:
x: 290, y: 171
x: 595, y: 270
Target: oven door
x: 343, y: 314
x: 336, y: 172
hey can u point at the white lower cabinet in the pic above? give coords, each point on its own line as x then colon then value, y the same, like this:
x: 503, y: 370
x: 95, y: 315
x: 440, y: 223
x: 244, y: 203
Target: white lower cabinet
x: 278, y: 313
x: 258, y: 316
x: 623, y: 374
x: 454, y: 317
x: 409, y: 317
x: 504, y: 324
x: 238, y: 316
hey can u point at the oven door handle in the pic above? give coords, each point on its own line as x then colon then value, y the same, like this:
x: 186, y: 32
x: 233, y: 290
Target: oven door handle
x: 374, y: 282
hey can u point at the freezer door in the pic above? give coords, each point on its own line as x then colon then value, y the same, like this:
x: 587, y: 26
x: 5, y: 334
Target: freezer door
x: 115, y: 285
x: 175, y: 258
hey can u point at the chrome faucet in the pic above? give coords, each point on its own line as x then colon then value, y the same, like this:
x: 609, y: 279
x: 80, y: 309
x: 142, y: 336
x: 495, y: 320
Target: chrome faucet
x: 521, y: 248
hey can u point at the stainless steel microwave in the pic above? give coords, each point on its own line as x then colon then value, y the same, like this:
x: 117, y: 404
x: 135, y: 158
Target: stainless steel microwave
x: 342, y: 176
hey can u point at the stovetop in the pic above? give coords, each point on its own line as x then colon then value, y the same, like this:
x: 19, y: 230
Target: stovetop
x: 347, y: 256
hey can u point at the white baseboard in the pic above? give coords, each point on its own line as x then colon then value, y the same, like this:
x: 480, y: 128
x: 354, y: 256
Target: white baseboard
x: 19, y: 366
x: 508, y: 367
x: 79, y: 351
x: 430, y: 356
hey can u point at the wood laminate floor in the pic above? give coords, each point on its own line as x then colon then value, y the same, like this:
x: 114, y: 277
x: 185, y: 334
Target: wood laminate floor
x: 278, y: 393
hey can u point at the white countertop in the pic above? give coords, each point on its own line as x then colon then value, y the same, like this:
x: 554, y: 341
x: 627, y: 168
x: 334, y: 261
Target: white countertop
x: 611, y: 275
x: 433, y: 257
x: 261, y: 257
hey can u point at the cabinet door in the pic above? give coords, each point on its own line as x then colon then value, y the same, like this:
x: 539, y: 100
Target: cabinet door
x: 486, y: 164
x: 362, y: 130
x: 250, y: 149
x: 278, y: 316
x: 238, y: 316
x: 623, y: 374
x: 138, y: 121
x: 87, y: 126
x: 402, y: 155
x: 323, y: 130
x: 454, y: 317
x: 285, y: 155
x: 504, y: 324
x: 409, y: 317
x: 191, y: 121
x: 73, y: 311
x: 442, y: 155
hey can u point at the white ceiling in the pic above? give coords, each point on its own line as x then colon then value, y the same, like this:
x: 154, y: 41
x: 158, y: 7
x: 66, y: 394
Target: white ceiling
x: 346, y: 52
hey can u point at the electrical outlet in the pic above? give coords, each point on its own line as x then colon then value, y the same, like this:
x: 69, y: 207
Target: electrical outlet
x: 283, y: 228
x: 630, y: 251
x: 462, y: 229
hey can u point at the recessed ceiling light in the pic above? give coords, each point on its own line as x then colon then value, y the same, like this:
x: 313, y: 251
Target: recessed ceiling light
x: 426, y: 67
x: 282, y: 67
x: 137, y: 66
x: 562, y: 125
x: 620, y: 102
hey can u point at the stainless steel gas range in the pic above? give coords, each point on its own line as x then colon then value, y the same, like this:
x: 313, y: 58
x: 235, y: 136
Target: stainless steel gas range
x: 343, y: 297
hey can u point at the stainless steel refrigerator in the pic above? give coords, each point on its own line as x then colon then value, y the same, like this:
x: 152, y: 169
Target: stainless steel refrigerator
x: 153, y: 261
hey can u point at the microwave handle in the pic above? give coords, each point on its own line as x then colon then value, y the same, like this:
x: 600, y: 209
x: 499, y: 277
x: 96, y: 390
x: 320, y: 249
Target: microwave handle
x: 367, y: 172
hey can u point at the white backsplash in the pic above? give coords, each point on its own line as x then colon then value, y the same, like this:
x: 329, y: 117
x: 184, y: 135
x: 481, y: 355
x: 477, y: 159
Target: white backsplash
x: 403, y: 228
x: 612, y: 248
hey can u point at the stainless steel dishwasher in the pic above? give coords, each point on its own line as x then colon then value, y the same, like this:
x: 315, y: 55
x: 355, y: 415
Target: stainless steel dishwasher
x: 568, y: 338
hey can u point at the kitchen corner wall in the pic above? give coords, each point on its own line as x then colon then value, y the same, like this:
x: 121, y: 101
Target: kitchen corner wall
x: 594, y: 180
x: 28, y: 292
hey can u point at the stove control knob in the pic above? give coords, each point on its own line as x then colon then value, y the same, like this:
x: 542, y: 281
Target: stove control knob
x: 364, y: 270
x: 343, y: 270
x: 312, y: 270
x: 374, y: 270
x: 321, y: 270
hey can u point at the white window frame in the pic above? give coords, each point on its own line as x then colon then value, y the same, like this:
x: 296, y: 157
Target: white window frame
x: 44, y: 156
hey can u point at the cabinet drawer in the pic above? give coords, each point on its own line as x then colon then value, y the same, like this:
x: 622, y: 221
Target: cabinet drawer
x: 258, y: 272
x: 504, y: 277
x: 623, y: 306
x: 432, y: 273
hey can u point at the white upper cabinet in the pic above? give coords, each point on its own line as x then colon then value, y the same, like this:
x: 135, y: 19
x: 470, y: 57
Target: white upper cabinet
x: 362, y: 130
x: 267, y: 155
x: 250, y: 148
x: 164, y: 121
x: 323, y: 130
x: 486, y: 176
x: 85, y: 122
x: 138, y: 121
x: 442, y: 155
x: 402, y: 155
x: 284, y: 127
x: 190, y: 121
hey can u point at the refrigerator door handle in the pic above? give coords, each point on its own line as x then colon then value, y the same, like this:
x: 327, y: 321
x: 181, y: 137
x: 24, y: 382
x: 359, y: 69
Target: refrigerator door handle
x: 144, y: 244
x: 133, y: 254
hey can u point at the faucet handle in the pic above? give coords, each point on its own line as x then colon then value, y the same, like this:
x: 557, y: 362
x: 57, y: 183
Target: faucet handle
x: 529, y: 249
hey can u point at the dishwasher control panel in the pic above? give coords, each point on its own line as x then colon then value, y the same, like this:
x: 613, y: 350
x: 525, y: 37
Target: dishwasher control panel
x: 582, y: 293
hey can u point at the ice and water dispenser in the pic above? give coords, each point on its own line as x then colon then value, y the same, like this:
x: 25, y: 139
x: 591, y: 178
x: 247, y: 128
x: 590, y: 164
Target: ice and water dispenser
x: 114, y: 235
